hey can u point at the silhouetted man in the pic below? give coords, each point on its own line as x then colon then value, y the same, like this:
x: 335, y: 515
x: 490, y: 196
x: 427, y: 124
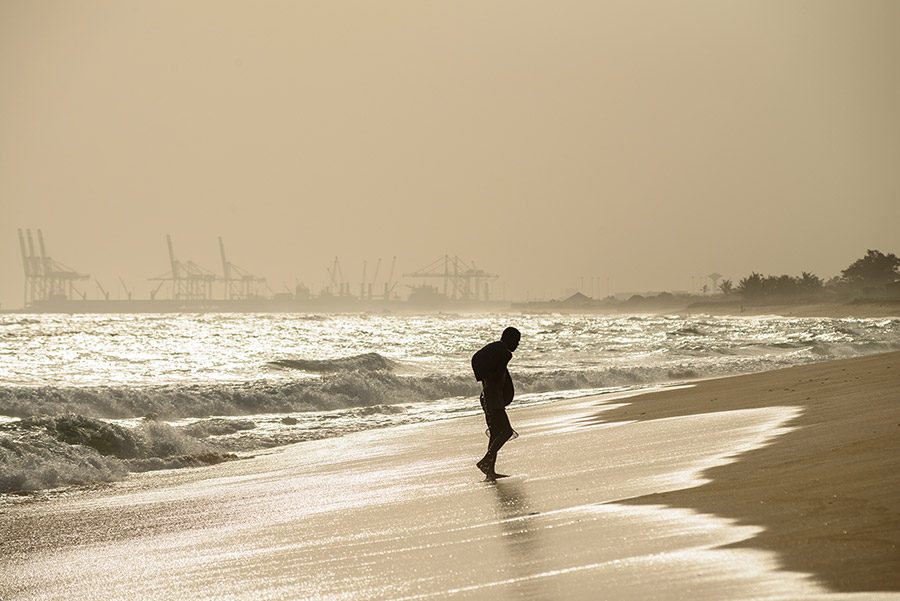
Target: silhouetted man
x: 489, y: 365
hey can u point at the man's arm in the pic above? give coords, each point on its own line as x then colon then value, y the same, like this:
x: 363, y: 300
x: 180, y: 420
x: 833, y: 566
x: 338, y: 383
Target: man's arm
x: 509, y: 390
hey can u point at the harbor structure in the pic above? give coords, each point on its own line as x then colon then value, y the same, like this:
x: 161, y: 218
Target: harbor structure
x: 240, y: 284
x: 45, y: 278
x: 190, y: 282
x: 462, y: 281
x: 187, y: 286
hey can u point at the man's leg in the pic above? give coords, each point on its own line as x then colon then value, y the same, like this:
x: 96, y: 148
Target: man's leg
x: 500, y: 432
x: 486, y: 464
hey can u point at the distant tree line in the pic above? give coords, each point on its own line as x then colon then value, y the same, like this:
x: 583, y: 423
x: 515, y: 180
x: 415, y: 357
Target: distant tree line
x: 874, y: 270
x: 869, y: 273
x: 756, y: 286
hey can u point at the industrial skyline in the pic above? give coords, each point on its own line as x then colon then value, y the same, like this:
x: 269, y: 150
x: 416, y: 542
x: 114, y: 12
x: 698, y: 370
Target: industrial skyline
x: 45, y: 279
x: 49, y: 284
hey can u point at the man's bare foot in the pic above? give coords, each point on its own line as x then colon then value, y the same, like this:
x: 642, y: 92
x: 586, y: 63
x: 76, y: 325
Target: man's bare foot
x: 485, y: 466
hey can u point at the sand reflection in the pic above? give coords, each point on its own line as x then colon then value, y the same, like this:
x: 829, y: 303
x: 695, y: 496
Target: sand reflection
x: 521, y: 538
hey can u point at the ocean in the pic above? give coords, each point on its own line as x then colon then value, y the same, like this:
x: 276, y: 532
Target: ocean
x: 88, y: 399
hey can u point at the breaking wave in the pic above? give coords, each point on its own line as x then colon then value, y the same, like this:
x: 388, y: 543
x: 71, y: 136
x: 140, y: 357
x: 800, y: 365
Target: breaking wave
x: 52, y: 451
x: 328, y: 393
x: 68, y: 436
x: 363, y: 362
x: 368, y: 380
x: 334, y: 391
x: 77, y: 435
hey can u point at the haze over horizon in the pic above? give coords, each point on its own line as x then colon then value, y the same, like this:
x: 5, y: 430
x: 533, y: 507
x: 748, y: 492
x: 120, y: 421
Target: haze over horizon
x: 641, y: 145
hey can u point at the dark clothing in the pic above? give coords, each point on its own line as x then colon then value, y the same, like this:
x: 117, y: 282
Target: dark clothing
x: 499, y: 429
x: 489, y: 365
x: 491, y: 360
x: 508, y: 391
x: 499, y: 390
x: 497, y: 420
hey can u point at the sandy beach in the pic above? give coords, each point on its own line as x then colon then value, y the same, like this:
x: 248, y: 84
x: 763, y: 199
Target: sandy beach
x: 828, y: 491
x: 778, y: 485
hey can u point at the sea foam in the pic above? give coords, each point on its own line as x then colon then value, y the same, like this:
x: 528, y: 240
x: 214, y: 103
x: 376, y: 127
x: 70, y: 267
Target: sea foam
x: 154, y: 392
x: 52, y: 451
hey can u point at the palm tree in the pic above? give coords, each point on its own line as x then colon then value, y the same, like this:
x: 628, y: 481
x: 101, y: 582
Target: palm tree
x: 809, y: 282
x: 752, y: 285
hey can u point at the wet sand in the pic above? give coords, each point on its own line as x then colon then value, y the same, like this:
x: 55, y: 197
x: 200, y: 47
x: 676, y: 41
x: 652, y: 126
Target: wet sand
x: 828, y: 491
x: 781, y: 485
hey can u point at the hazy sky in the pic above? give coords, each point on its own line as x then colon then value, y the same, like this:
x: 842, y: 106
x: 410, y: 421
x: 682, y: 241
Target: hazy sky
x: 644, y: 144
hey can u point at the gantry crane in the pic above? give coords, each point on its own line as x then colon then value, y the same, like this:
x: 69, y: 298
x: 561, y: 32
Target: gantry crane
x: 46, y: 279
x: 189, y: 280
x: 239, y: 284
x: 461, y: 280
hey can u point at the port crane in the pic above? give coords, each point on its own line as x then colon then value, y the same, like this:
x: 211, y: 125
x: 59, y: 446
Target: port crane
x: 46, y: 279
x: 337, y: 280
x: 102, y: 290
x: 390, y: 284
x: 189, y: 280
x: 367, y: 287
x: 125, y: 286
x: 239, y: 284
x: 462, y: 281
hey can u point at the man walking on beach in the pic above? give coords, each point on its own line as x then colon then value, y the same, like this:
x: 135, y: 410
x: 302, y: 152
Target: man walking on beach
x: 489, y: 365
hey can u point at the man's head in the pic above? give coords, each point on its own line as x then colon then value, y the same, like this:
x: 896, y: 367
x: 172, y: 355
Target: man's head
x: 511, y: 337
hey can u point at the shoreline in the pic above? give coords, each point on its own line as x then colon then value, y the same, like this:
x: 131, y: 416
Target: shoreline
x: 827, y: 492
x: 739, y: 487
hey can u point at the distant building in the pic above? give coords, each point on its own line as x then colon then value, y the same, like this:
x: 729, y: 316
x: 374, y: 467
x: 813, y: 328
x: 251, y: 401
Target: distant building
x: 624, y: 296
x: 577, y: 300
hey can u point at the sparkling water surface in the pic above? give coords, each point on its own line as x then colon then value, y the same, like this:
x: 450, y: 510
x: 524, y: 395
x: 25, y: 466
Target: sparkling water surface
x: 90, y: 398
x: 134, y: 350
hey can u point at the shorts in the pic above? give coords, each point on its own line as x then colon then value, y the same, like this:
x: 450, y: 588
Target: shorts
x: 496, y: 418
